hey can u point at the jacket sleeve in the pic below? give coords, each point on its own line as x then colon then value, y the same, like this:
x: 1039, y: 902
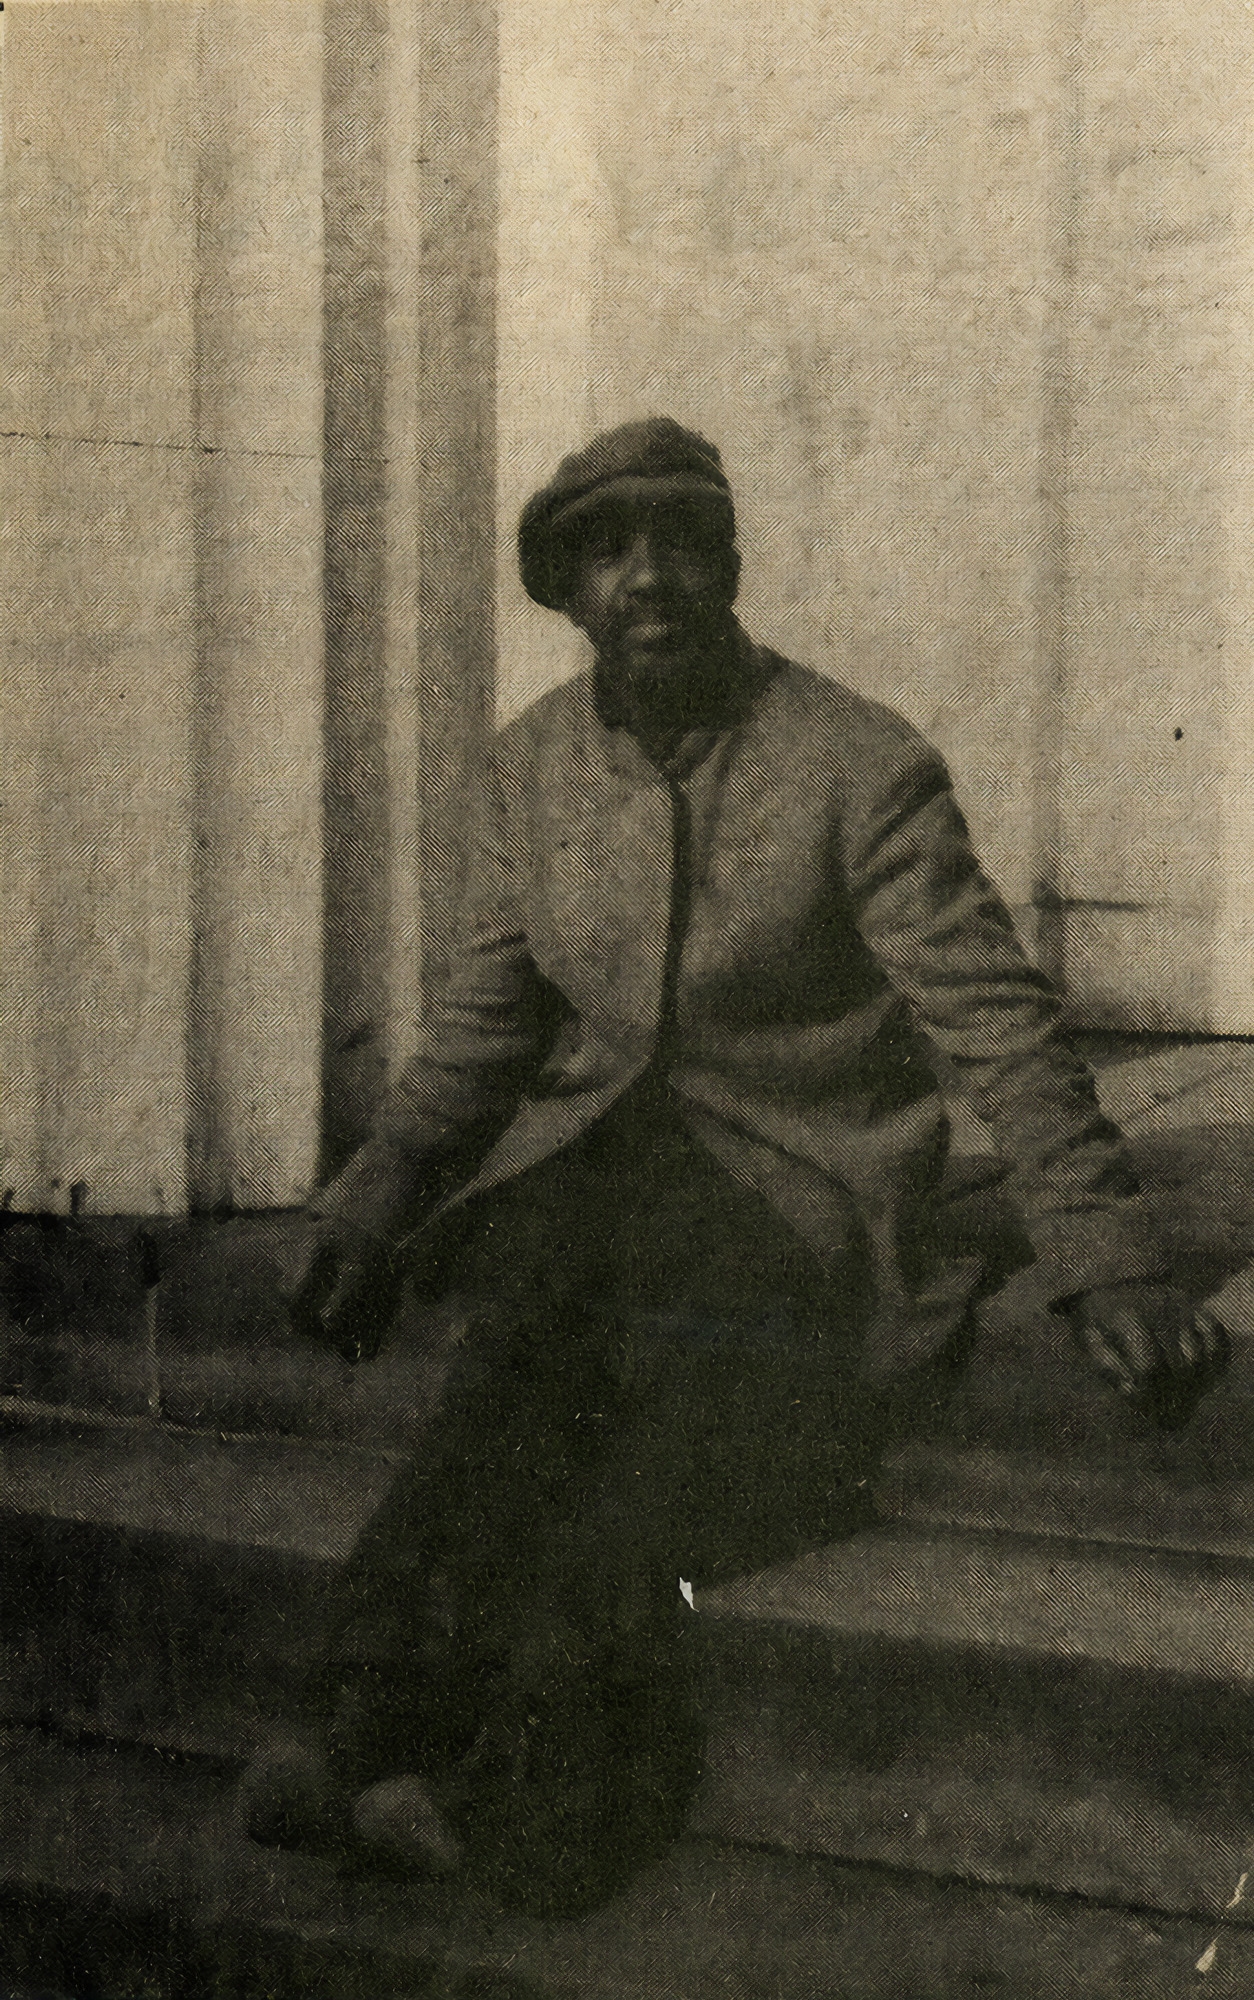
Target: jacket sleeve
x: 946, y: 941
x: 483, y: 1035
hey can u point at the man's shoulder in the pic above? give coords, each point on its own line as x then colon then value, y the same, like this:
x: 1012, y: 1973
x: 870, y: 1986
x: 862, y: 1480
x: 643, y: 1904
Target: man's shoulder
x: 804, y: 715
x: 848, y: 730
x: 560, y: 711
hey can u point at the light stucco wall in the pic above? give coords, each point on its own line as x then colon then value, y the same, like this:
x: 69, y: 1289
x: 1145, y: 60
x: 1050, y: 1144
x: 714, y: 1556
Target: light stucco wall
x: 160, y: 401
x: 963, y: 293
x: 246, y: 268
x: 1156, y: 752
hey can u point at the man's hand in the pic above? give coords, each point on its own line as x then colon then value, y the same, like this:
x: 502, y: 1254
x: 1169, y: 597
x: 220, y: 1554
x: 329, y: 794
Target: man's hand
x: 344, y: 1289
x: 1153, y: 1345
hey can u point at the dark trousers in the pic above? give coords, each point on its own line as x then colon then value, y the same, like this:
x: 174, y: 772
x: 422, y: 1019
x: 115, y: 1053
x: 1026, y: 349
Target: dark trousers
x: 665, y: 1386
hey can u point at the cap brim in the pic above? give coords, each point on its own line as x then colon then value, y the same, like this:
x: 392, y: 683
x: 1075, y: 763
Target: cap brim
x: 643, y: 490
x: 547, y: 528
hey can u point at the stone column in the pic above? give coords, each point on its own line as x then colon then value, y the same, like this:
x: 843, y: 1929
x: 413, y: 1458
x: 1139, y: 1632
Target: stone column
x: 410, y: 97
x: 98, y: 559
x: 247, y: 281
x: 254, y: 1007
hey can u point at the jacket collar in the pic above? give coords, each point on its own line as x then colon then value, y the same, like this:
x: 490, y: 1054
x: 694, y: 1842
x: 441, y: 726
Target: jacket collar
x: 750, y: 669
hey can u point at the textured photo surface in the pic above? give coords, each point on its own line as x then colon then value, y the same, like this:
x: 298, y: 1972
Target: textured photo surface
x: 626, y: 1126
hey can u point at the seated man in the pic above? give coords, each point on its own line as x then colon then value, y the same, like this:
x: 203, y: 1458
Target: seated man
x: 680, y: 1093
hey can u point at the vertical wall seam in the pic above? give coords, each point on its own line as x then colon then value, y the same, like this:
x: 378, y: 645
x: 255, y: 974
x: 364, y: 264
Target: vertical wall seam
x: 409, y: 213
x: 401, y: 416
x: 1054, y: 582
x: 205, y: 1170
x: 357, y: 808
x: 460, y: 95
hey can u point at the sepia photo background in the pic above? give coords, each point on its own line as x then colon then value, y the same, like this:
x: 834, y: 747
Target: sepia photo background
x: 297, y: 305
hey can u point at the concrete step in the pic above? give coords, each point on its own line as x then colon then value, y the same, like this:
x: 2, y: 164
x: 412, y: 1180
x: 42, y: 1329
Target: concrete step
x: 122, y: 1873
x: 921, y: 1696
x: 265, y: 1493
x: 166, y: 1586
x: 210, y: 1345
x: 1019, y: 1710
x: 1025, y: 1596
x: 284, y: 1386
x: 1146, y: 1494
x: 131, y: 1551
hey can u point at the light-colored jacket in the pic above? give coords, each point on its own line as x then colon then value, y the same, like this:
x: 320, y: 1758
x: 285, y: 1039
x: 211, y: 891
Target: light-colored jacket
x: 838, y: 933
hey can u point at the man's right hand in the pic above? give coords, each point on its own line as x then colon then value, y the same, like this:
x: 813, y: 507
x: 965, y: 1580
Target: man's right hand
x: 344, y: 1289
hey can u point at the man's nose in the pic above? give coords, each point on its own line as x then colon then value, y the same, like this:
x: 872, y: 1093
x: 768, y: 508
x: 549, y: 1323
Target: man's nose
x: 644, y: 561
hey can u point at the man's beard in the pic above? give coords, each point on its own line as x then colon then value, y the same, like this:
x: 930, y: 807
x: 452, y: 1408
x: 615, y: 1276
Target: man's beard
x: 681, y: 692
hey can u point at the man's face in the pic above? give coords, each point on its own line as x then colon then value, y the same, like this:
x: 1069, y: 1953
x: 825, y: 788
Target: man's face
x: 654, y: 587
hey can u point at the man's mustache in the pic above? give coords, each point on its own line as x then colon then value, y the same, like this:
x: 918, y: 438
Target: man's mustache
x: 664, y: 609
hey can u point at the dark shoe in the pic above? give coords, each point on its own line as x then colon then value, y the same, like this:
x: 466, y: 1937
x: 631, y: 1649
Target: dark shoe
x: 288, y: 1797
x: 397, y: 1823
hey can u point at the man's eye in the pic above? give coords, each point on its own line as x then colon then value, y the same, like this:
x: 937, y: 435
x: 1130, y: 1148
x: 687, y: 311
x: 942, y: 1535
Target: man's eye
x: 604, y: 547
x: 690, y: 530
x: 676, y: 527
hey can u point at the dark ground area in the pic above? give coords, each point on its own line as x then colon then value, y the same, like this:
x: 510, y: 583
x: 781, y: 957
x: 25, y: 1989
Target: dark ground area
x: 747, y: 1926
x: 1047, y: 1589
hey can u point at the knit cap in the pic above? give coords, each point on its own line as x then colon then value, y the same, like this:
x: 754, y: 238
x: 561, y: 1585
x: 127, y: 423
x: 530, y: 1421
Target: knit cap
x: 652, y: 460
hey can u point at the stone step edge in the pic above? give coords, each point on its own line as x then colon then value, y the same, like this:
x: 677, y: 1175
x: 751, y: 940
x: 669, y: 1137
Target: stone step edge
x: 745, y: 1637
x: 34, y: 1413
x: 218, y: 1749
x: 987, y: 1599
x: 994, y: 1591
x: 305, y: 1392
x: 1106, y: 1843
x: 921, y: 1814
x: 926, y: 1485
x: 264, y: 1895
x: 936, y: 1484
x: 307, y: 1498
x: 1019, y: 1596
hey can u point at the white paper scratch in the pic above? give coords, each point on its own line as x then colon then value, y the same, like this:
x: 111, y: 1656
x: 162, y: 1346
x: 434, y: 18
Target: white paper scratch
x: 685, y: 1591
x: 1206, y: 1963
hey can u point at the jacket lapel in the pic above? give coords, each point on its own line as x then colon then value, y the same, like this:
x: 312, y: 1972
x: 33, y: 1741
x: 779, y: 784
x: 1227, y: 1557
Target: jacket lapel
x: 606, y: 853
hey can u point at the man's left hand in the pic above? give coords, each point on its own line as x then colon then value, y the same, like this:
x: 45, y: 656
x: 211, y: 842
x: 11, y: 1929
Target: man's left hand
x: 1153, y: 1345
